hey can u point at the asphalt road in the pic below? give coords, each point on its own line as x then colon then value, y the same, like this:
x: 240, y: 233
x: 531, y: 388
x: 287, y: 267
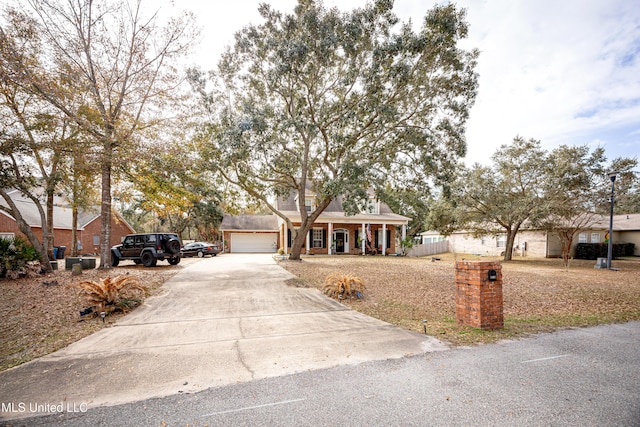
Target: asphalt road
x: 229, y: 343
x: 579, y: 377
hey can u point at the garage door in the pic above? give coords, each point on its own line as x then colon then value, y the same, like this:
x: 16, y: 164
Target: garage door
x: 253, y: 242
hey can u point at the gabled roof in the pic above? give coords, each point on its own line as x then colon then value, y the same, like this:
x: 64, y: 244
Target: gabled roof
x: 62, y: 214
x: 621, y: 223
x: 249, y: 223
x: 335, y: 212
x: 630, y: 222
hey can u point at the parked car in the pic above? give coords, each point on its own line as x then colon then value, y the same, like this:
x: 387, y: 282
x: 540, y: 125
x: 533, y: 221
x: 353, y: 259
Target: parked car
x: 200, y: 249
x: 147, y: 249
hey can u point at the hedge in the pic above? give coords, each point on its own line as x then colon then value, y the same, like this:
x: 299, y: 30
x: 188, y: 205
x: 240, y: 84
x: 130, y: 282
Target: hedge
x: 600, y: 250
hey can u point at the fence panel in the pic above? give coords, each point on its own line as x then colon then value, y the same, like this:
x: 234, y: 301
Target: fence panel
x: 429, y: 249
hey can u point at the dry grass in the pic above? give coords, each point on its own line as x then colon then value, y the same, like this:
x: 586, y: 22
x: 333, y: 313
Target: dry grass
x: 41, y: 315
x: 539, y: 294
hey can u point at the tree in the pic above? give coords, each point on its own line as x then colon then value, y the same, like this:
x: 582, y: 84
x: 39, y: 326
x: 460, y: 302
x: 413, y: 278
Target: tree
x: 118, y: 59
x: 177, y: 192
x: 35, y: 140
x: 498, y: 199
x: 573, y: 187
x: 323, y: 103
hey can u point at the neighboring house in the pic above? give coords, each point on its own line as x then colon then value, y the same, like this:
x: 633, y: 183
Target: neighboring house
x: 540, y: 243
x: 88, y: 228
x: 250, y: 233
x: 427, y: 237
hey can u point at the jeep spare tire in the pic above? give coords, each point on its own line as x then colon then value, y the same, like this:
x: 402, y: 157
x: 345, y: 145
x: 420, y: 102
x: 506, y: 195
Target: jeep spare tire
x: 173, y: 246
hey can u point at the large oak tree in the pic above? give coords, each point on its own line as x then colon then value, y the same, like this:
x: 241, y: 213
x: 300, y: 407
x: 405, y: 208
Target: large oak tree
x: 325, y: 103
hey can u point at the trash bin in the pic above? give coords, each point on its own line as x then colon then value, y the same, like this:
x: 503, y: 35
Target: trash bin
x: 55, y: 252
x: 61, y: 250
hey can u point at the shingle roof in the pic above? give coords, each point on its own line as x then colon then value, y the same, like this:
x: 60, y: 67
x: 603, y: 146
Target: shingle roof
x: 289, y: 207
x: 249, y: 223
x: 62, y: 215
x: 625, y: 222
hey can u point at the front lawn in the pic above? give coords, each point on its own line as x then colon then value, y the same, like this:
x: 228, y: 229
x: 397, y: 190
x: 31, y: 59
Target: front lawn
x: 539, y: 294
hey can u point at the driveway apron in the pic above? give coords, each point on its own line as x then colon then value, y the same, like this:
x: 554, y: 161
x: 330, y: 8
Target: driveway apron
x: 220, y: 321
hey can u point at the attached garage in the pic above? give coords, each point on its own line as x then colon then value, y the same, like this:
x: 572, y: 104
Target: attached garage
x: 253, y: 242
x: 250, y: 233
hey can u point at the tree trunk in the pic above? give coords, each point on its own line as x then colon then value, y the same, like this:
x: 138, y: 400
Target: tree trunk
x: 27, y: 231
x: 566, y: 240
x: 74, y: 230
x: 49, y: 241
x: 508, y: 249
x: 297, y: 244
x: 105, y: 208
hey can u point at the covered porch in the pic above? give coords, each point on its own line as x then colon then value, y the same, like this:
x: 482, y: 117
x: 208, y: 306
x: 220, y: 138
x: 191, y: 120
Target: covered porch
x: 353, y: 236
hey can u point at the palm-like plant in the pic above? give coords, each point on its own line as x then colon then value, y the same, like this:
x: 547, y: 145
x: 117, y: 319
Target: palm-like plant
x: 110, y: 294
x: 343, y: 285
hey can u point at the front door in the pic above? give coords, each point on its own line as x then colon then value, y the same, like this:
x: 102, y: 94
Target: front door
x: 340, y: 242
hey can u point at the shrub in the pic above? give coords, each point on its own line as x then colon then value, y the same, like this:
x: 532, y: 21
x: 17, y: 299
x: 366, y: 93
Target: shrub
x: 15, y: 254
x: 600, y: 250
x: 343, y: 286
x: 111, y: 294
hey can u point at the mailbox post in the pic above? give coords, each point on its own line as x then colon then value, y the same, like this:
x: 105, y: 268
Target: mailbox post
x: 479, y: 294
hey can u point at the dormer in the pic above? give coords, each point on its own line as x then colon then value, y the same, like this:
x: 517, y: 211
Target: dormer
x: 372, y: 206
x: 309, y: 201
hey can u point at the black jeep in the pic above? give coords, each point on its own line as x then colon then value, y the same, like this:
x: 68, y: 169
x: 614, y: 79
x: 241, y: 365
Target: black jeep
x: 147, y: 249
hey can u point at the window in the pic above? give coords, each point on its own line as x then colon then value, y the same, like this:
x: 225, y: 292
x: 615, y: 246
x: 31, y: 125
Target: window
x: 96, y: 240
x: 595, y: 237
x: 308, y: 204
x: 317, y: 238
x: 501, y: 241
x: 582, y: 238
x: 8, y: 236
x: 372, y: 207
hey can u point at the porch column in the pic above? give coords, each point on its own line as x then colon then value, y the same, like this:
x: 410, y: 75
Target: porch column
x: 285, y: 239
x: 306, y: 241
x: 384, y: 239
x: 363, y: 239
x: 329, y: 237
x: 404, y: 231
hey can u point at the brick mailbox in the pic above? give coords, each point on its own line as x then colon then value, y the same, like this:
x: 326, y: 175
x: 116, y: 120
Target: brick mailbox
x: 479, y: 294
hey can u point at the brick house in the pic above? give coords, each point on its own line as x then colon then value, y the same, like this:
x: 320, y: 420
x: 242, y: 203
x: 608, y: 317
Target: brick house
x: 375, y: 230
x: 88, y: 228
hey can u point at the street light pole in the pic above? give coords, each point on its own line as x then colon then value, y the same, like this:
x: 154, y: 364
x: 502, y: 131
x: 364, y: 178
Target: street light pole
x: 612, y: 177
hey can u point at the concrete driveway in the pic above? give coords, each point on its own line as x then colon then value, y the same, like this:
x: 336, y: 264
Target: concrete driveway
x: 220, y: 321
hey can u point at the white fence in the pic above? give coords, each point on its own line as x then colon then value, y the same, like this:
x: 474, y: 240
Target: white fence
x: 429, y: 249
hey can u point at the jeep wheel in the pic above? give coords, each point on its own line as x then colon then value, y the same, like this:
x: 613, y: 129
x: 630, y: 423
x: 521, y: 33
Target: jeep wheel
x: 173, y: 246
x: 114, y: 260
x: 148, y: 260
x: 174, y: 261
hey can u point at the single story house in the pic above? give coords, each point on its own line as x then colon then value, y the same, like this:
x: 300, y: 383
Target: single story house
x: 88, y: 228
x: 375, y: 230
x: 544, y: 244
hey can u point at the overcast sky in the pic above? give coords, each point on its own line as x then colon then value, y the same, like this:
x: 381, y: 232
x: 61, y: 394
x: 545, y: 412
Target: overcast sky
x: 560, y: 71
